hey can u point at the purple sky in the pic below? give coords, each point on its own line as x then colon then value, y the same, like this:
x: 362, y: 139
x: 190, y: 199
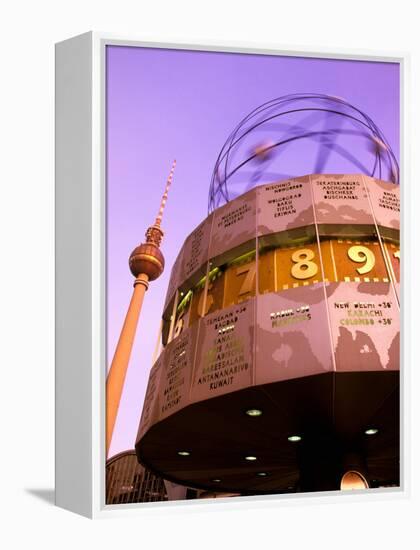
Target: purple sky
x: 166, y: 104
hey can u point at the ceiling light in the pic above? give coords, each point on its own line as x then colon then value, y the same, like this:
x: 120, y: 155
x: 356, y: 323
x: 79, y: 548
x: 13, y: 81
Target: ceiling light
x: 294, y: 438
x: 262, y: 474
x: 371, y: 431
x: 254, y: 412
x: 184, y: 453
x: 250, y: 458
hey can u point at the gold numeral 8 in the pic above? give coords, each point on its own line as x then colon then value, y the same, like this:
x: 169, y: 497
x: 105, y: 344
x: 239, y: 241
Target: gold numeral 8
x: 361, y: 254
x: 304, y: 268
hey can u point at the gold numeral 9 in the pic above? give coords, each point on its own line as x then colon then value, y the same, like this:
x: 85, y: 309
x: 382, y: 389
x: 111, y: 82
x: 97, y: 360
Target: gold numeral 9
x: 304, y: 268
x: 361, y: 254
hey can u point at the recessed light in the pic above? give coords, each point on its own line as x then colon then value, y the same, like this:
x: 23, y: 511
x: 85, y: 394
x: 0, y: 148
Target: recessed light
x: 250, y: 458
x: 262, y: 474
x: 216, y: 480
x: 371, y: 431
x: 294, y: 438
x: 184, y: 453
x: 254, y: 412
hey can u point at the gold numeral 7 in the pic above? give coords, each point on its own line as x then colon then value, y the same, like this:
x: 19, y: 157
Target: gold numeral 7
x: 250, y: 270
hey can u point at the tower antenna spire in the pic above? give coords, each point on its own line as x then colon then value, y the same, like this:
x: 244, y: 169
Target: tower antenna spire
x: 165, y: 195
x: 146, y: 263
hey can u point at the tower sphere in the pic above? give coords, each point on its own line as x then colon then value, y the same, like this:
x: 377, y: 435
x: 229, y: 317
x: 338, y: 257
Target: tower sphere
x: 147, y: 259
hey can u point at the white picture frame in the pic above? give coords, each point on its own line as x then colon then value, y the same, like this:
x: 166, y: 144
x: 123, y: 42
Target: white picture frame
x: 80, y: 275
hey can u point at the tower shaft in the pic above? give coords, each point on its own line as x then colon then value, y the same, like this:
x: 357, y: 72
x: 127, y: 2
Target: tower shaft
x: 118, y: 369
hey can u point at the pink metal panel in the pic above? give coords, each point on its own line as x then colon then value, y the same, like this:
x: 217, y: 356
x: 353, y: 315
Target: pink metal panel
x: 365, y: 326
x: 175, y: 279
x: 234, y: 224
x: 224, y: 360
x: 284, y: 205
x: 293, y: 337
x: 176, y: 373
x: 196, y: 249
x: 385, y: 200
x: 341, y: 199
x: 150, y: 411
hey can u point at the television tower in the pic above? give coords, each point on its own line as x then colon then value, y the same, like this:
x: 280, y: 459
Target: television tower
x: 146, y: 264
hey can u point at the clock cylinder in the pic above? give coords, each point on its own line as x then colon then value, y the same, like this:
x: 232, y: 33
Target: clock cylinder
x: 281, y: 342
